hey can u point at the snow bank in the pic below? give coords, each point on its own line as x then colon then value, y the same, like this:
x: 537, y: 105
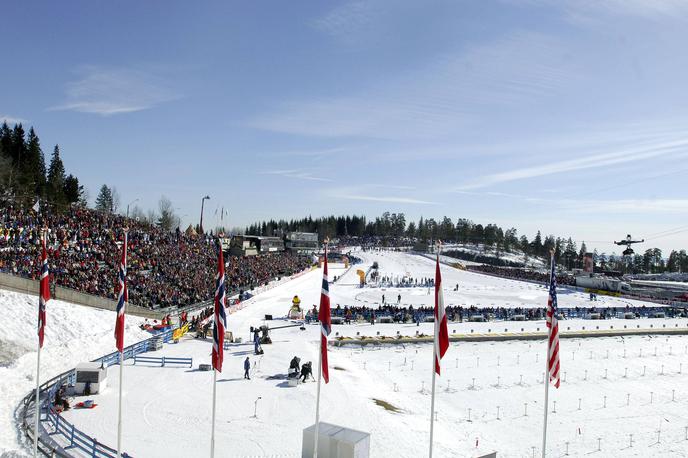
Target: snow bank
x: 73, y: 334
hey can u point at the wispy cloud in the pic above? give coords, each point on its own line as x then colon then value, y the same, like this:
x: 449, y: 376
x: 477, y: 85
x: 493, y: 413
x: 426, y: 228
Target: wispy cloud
x: 629, y: 206
x: 109, y: 91
x: 346, y: 21
x: 12, y: 119
x: 437, y: 100
x: 600, y: 159
x: 391, y: 186
x: 389, y: 199
x: 296, y: 173
x: 313, y: 152
x: 598, y: 11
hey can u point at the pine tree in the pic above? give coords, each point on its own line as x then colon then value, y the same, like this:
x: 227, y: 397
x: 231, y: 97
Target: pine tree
x: 56, y: 179
x: 72, y: 190
x: 104, y: 199
x: 34, y: 167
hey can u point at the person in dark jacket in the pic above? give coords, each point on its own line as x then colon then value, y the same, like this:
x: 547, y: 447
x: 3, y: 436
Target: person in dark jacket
x: 247, y: 367
x: 306, y: 371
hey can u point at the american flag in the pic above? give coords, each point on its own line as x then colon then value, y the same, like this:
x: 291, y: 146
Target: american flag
x: 325, y: 319
x: 441, y: 331
x: 220, y: 316
x: 44, y: 294
x: 553, y: 324
x: 122, y: 298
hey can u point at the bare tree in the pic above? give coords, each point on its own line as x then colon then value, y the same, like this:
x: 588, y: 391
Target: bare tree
x: 115, y: 199
x: 167, y: 217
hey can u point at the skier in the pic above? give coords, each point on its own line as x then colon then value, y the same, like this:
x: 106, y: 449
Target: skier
x: 383, y: 299
x: 399, y: 299
x: 247, y: 367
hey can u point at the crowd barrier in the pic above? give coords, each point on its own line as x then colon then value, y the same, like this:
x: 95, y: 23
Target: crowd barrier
x: 163, y: 361
x: 72, y: 437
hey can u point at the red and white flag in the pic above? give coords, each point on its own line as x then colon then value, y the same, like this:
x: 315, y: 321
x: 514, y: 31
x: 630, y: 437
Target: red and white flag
x: 441, y: 331
x: 44, y: 294
x: 122, y: 298
x: 220, y: 315
x: 325, y: 319
x: 553, y: 324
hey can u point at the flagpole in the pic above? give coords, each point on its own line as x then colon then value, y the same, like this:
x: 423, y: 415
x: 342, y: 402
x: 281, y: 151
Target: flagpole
x: 38, y: 362
x: 38, y: 401
x: 317, y: 402
x: 434, y: 362
x: 121, y: 357
x: 119, y: 414
x: 212, y: 434
x: 432, y: 402
x: 546, y: 379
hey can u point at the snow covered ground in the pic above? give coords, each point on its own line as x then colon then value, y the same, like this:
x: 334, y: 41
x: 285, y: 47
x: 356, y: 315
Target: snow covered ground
x: 73, y: 334
x: 512, y: 256
x: 611, y: 388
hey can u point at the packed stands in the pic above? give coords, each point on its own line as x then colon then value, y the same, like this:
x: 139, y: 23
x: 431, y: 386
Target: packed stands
x: 164, y: 268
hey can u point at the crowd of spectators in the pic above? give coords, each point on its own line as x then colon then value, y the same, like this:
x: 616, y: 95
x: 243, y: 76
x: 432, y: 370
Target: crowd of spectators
x: 410, y: 314
x: 164, y: 268
x: 522, y: 274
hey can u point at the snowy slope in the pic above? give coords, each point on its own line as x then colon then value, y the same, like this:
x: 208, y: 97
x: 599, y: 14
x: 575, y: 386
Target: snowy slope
x: 73, y: 334
x: 163, y: 405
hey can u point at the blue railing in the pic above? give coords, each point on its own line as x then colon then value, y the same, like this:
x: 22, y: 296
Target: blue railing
x: 74, y: 437
x: 163, y: 361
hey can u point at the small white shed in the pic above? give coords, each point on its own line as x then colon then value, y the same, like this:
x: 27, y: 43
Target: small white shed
x: 336, y: 442
x: 90, y: 373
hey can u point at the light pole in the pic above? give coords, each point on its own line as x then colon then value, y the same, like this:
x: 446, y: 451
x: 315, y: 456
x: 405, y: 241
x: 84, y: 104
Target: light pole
x: 133, y: 201
x: 202, y: 203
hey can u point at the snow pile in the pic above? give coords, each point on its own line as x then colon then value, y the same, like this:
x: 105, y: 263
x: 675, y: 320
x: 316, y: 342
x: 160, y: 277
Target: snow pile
x: 73, y: 334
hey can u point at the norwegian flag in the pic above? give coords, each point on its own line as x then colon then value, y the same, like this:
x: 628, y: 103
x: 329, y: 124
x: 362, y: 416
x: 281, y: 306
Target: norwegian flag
x: 122, y: 298
x: 441, y: 331
x: 44, y: 294
x: 325, y: 320
x: 220, y: 317
x: 553, y: 325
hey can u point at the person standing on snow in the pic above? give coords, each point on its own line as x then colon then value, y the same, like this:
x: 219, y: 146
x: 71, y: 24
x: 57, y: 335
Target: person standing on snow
x: 247, y: 367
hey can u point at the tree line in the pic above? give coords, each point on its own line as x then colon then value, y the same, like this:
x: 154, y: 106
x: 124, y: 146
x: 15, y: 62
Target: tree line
x: 24, y: 177
x: 493, y: 240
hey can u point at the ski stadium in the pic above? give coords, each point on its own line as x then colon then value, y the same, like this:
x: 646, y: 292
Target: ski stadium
x: 622, y: 394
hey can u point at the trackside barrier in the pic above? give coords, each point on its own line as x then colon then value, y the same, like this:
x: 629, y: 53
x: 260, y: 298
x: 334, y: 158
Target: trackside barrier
x: 56, y: 425
x: 163, y: 361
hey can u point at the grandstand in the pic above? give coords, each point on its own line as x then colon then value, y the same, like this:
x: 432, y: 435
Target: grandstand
x: 166, y: 269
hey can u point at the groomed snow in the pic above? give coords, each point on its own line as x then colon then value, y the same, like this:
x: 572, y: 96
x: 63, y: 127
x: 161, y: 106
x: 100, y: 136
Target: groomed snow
x: 73, y: 334
x: 167, y: 410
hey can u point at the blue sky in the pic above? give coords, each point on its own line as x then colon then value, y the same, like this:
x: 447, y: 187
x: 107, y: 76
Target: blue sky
x: 560, y: 115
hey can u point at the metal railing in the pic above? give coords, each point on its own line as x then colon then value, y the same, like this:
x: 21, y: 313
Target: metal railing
x: 73, y: 437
